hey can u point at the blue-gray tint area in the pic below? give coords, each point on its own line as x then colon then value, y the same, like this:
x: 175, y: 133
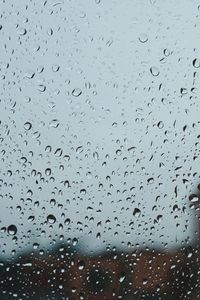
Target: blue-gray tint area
x: 99, y: 123
x: 99, y: 149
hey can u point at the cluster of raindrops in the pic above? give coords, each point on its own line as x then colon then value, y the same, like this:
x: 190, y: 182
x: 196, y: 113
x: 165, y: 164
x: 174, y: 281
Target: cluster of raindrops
x: 99, y: 150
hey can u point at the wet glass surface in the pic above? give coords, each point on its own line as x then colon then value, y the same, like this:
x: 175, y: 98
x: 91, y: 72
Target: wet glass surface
x: 99, y: 149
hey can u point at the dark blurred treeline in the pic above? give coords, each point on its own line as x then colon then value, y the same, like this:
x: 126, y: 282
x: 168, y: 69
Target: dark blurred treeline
x: 64, y: 273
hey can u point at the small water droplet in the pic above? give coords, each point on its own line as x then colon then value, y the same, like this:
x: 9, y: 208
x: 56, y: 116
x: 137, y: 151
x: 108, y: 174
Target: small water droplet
x: 74, y: 241
x: 41, y: 88
x: 76, y: 92
x: 122, y: 277
x: 79, y: 149
x: 81, y: 265
x: 21, y: 31
x: 196, y: 63
x: 143, y: 38
x: 48, y: 172
x: 54, y: 123
x: 193, y: 198
x: 29, y: 74
x: 160, y: 124
x: 27, y: 126
x: 154, y: 71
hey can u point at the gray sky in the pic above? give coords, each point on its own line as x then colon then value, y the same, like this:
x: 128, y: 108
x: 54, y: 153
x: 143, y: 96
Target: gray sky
x: 110, y: 87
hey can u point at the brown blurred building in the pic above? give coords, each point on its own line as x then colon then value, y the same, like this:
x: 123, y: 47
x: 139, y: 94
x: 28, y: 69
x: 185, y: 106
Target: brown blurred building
x: 65, y: 275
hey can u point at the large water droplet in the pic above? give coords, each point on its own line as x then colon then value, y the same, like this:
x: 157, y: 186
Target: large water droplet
x: 51, y: 219
x: 12, y: 229
x: 136, y: 212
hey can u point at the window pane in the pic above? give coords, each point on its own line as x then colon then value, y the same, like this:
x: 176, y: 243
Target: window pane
x: 99, y: 152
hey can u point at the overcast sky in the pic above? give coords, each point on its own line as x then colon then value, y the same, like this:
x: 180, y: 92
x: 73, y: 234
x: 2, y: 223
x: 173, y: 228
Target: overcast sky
x: 105, y: 94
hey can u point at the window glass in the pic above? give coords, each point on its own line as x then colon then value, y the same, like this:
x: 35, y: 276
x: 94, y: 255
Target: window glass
x: 99, y: 149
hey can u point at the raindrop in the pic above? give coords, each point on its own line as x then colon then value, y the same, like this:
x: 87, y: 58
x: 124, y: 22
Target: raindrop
x: 183, y: 91
x: 81, y: 265
x: 31, y: 218
x: 21, y: 31
x: 67, y: 221
x: 154, y: 71
x: 79, y: 149
x: 30, y: 74
x: 41, y: 88
x: 12, y: 229
x: 74, y: 241
x: 76, y: 92
x: 166, y: 52
x: 48, y: 172
x: 51, y: 219
x: 27, y: 126
x: 54, y: 123
x: 58, y: 152
x: 55, y: 68
x: 196, y: 63
x: 160, y: 124
x: 143, y: 38
x: 50, y: 31
x: 150, y: 180
x: 193, y: 198
x: 136, y: 212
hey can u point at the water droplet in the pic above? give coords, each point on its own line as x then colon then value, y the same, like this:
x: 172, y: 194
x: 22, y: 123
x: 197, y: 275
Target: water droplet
x: 143, y: 38
x: 79, y: 149
x: 76, y: 92
x: 58, y: 152
x: 122, y: 277
x: 74, y: 241
x: 150, y: 180
x: 196, y: 63
x: 31, y: 218
x: 81, y: 265
x: 27, y: 126
x: 21, y: 31
x: 41, y: 88
x: 54, y: 123
x: 48, y: 171
x: 154, y: 71
x: 145, y: 281
x: 50, y: 31
x: 12, y: 229
x: 55, y: 68
x: 160, y: 124
x: 51, y: 219
x: 29, y: 74
x: 96, y: 155
x: 166, y: 52
x: 136, y: 212
x: 183, y: 91
x: 193, y: 198
x: 67, y: 221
